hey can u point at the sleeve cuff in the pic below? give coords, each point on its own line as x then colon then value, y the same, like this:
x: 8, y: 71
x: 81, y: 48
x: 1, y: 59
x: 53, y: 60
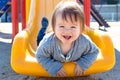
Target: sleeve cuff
x: 55, y: 68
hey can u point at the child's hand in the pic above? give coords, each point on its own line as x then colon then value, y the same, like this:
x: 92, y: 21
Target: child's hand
x: 61, y: 72
x: 78, y: 70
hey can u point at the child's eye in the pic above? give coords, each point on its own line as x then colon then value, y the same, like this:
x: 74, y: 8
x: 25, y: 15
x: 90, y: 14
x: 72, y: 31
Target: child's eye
x: 61, y: 26
x: 73, y: 27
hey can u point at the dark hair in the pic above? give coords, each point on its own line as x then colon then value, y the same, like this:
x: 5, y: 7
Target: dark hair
x: 69, y: 9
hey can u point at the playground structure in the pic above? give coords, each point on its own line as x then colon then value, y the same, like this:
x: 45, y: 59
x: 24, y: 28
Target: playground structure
x: 4, y: 6
x: 101, y: 21
x: 23, y: 59
x: 88, y: 9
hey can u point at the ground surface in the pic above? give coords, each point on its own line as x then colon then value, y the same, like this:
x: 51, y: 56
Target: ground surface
x: 6, y: 73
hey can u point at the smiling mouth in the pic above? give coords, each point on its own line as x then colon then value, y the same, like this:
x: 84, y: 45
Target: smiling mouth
x: 67, y: 37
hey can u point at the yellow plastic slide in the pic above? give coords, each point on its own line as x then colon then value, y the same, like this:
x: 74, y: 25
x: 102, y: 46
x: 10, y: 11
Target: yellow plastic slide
x: 23, y: 59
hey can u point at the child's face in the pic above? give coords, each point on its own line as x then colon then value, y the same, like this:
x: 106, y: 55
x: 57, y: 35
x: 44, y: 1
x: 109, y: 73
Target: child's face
x: 67, y: 31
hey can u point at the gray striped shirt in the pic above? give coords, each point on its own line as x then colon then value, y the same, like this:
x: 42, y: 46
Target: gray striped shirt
x: 49, y: 53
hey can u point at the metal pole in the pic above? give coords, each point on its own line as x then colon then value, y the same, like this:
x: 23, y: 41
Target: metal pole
x: 87, y: 12
x: 14, y: 18
x: 23, y: 13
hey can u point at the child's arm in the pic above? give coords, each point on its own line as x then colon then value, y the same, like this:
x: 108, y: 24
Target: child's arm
x: 51, y: 65
x: 90, y: 55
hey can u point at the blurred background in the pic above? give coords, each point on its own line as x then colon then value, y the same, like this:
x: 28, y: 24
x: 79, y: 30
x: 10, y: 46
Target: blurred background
x: 109, y: 9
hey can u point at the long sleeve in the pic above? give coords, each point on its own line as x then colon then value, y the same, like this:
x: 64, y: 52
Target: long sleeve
x: 44, y: 55
x: 51, y: 65
x: 89, y: 56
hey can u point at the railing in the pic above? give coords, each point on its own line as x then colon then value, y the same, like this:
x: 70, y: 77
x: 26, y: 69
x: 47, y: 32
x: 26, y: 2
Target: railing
x: 110, y: 12
x: 110, y: 17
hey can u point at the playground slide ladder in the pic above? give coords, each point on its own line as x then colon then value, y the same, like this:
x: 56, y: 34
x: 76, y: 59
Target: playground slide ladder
x: 96, y: 15
x: 4, y: 6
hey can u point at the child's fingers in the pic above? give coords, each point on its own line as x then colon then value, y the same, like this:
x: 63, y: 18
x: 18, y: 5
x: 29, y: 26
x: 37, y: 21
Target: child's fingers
x: 78, y: 73
x: 61, y: 73
x: 78, y: 70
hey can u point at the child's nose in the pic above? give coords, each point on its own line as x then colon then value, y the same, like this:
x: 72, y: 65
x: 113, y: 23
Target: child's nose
x: 67, y: 30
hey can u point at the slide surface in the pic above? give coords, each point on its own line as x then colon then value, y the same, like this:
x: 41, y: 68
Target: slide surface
x: 24, y: 45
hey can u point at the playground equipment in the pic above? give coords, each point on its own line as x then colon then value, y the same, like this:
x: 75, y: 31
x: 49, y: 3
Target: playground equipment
x: 97, y: 16
x: 23, y: 59
x: 4, y: 6
x: 14, y: 10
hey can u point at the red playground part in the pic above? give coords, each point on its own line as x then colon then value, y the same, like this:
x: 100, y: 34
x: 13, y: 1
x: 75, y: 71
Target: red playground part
x: 14, y: 18
x: 87, y: 12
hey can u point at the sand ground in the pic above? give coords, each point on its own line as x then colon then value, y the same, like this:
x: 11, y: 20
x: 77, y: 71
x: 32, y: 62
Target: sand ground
x: 6, y: 73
